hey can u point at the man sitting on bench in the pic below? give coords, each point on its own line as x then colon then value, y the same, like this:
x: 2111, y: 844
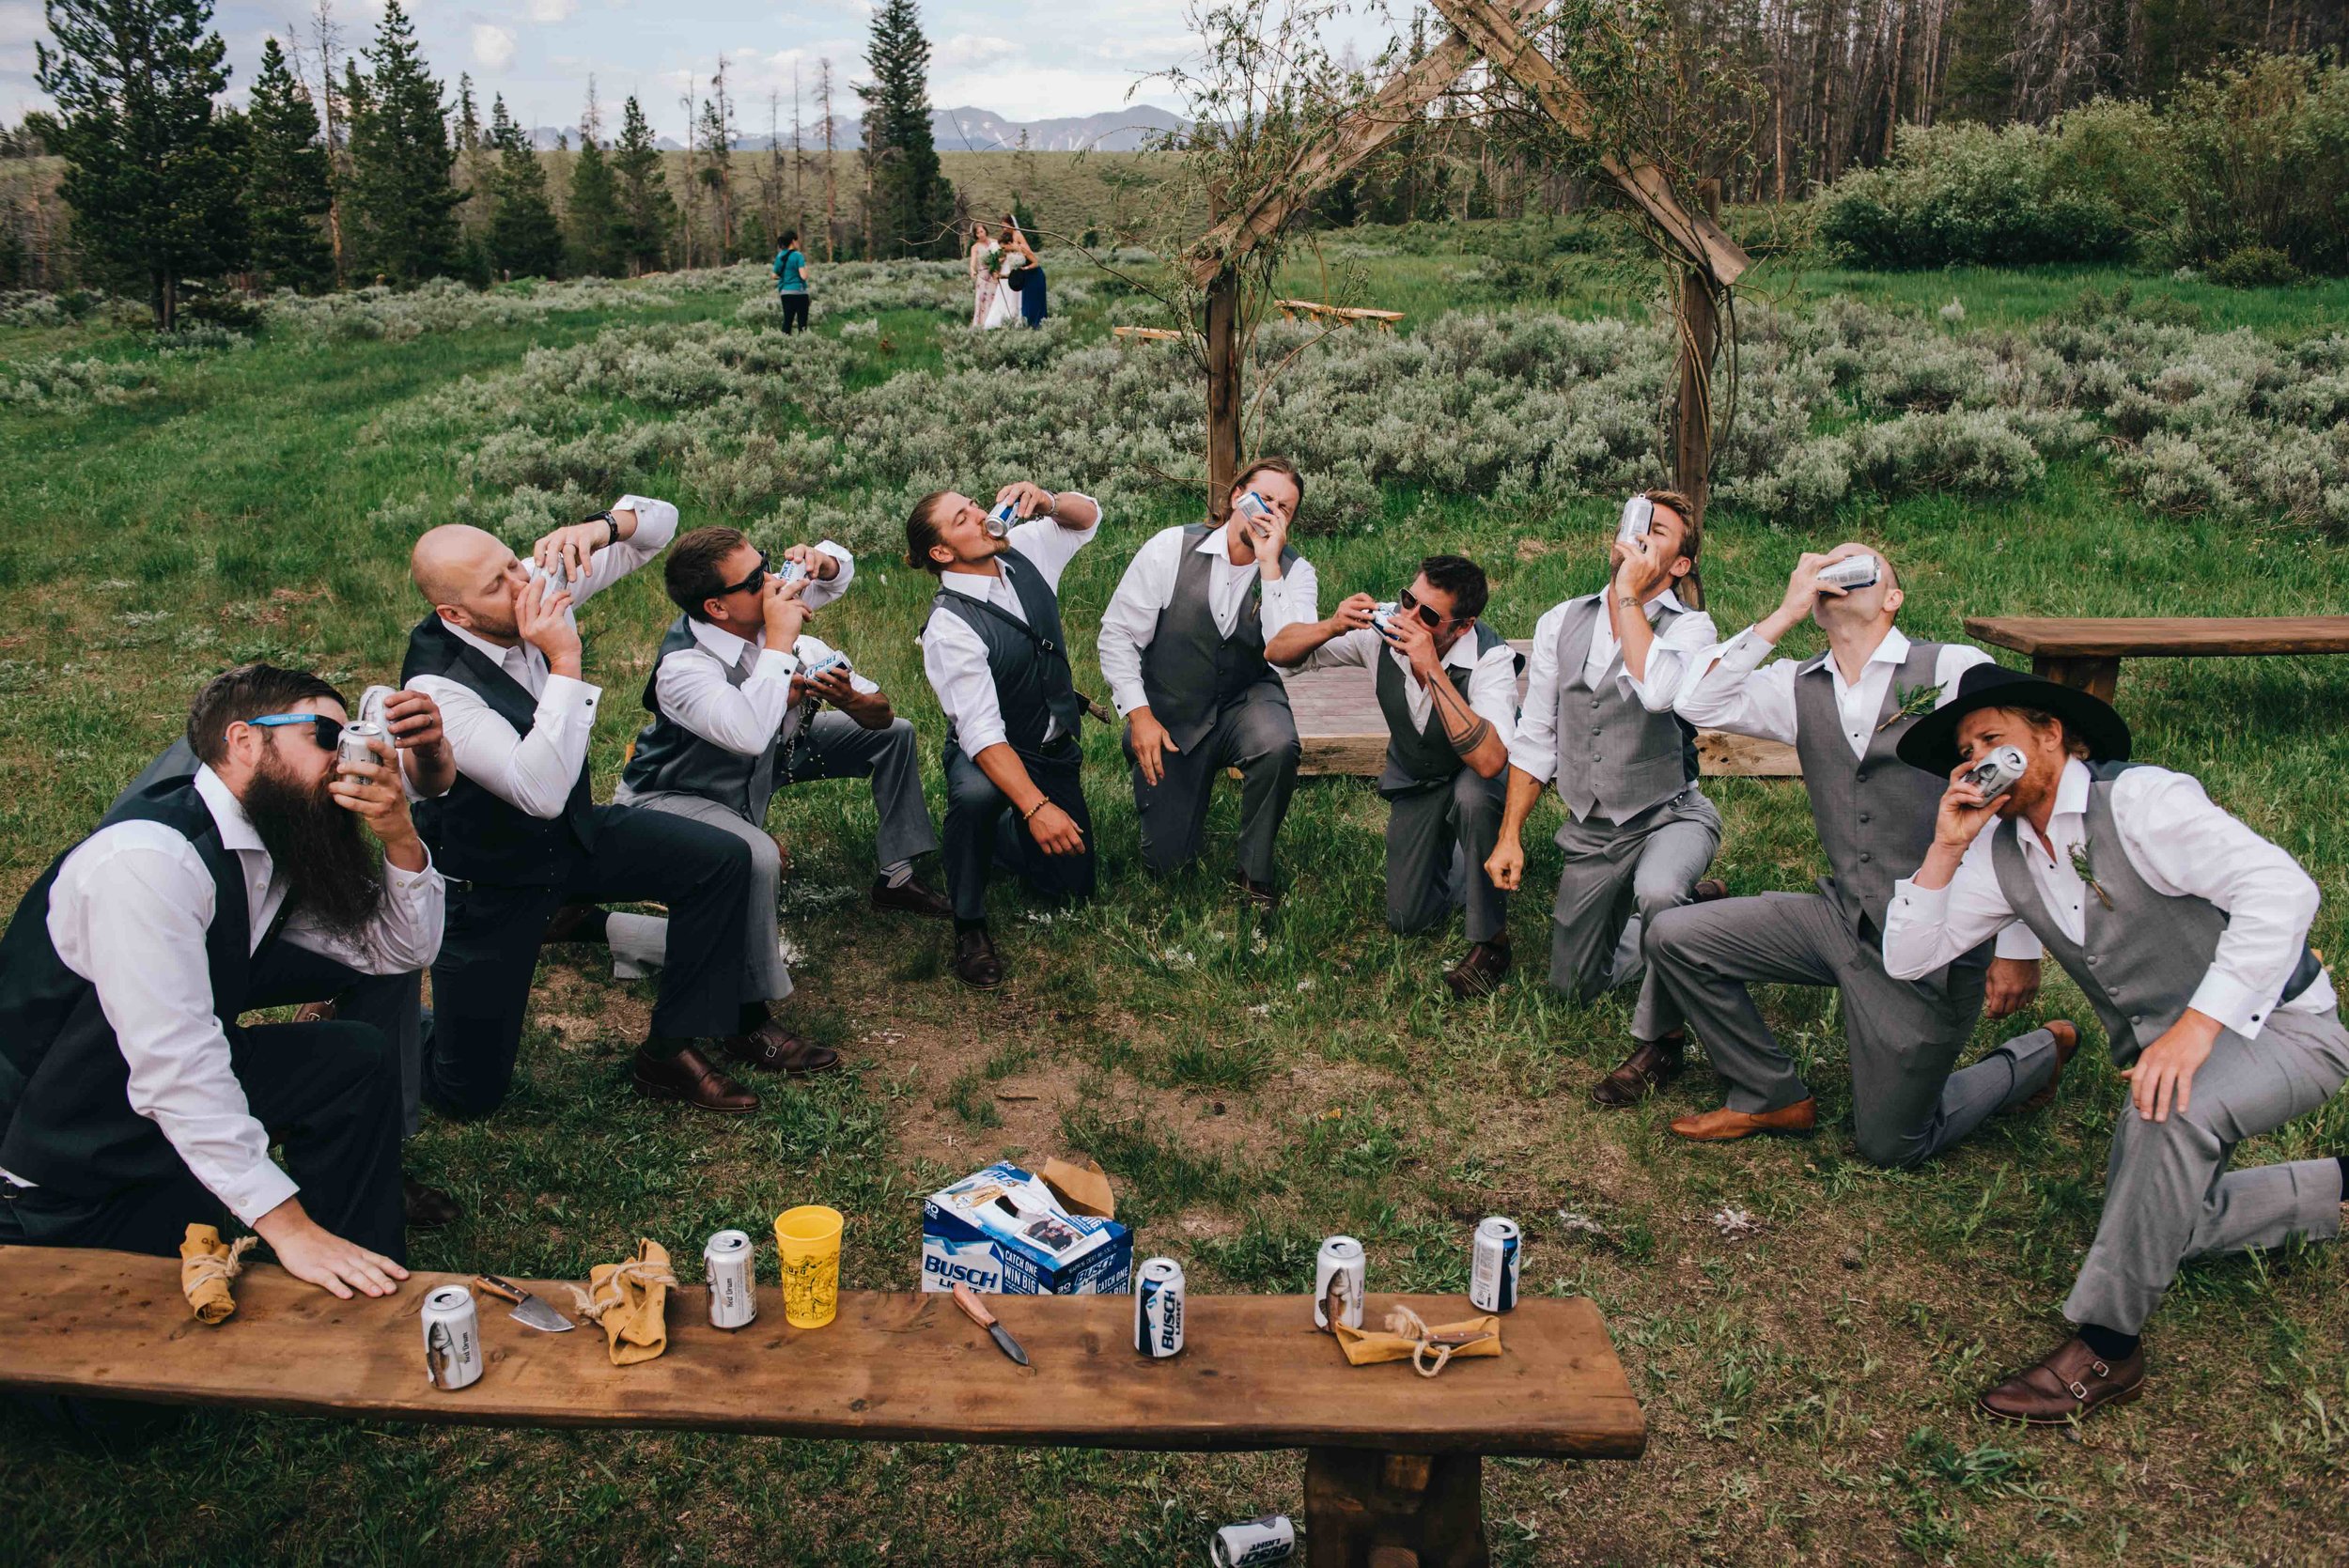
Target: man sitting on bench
x: 132, y: 1102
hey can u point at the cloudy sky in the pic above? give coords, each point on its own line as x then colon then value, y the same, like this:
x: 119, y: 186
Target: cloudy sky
x: 1023, y: 60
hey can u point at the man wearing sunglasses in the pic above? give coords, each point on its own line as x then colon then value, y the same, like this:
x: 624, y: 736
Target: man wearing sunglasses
x: 1188, y: 646
x: 519, y: 833
x: 1447, y: 686
x: 132, y: 1100
x: 1598, y: 720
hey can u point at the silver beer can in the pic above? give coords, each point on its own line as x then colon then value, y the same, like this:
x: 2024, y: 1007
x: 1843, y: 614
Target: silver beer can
x: 1252, y: 1543
x: 1382, y: 616
x: 1340, y: 1274
x: 1493, y: 1265
x: 359, y: 743
x: 733, y: 1294
x: 1158, y: 1308
x: 1998, y: 772
x: 1639, y: 516
x: 452, y: 1339
x: 1852, y: 571
x: 1001, y: 521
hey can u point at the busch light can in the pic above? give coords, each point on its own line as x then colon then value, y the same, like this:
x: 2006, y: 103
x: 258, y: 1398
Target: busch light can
x: 1493, y: 1265
x: 824, y: 666
x: 1340, y: 1274
x: 1252, y: 1543
x: 1852, y: 571
x: 1382, y: 616
x: 1255, y: 511
x: 733, y: 1297
x: 452, y: 1339
x: 1001, y: 521
x: 1158, y: 1308
x: 1639, y: 516
x: 358, y: 744
x: 1996, y: 773
x: 792, y: 572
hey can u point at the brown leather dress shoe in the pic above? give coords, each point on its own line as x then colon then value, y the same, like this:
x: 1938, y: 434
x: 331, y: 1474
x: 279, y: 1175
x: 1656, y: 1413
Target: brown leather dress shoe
x: 315, y: 1012
x: 2067, y: 1041
x: 912, y: 899
x: 563, y: 925
x: 1481, y: 972
x: 1709, y: 890
x: 1263, y: 895
x: 427, y: 1208
x: 2069, y: 1384
x: 1720, y: 1126
x: 1651, y: 1065
x: 773, y: 1048
x: 975, y: 962
x: 689, y: 1075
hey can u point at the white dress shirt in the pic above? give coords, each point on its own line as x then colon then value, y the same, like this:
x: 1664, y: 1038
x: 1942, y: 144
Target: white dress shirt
x: 821, y: 591
x: 1674, y: 652
x: 533, y: 773
x: 953, y: 655
x: 1492, y: 686
x: 129, y: 912
x: 2182, y: 845
x: 690, y: 684
x: 1132, y: 620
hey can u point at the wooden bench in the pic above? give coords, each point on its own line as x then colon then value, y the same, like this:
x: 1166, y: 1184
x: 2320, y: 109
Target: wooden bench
x: 1149, y: 335
x: 1346, y: 315
x: 2087, y: 652
x: 1393, y: 1461
x: 1342, y: 731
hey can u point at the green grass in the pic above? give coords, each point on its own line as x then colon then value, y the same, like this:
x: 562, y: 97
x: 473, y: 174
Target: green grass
x: 1252, y: 1085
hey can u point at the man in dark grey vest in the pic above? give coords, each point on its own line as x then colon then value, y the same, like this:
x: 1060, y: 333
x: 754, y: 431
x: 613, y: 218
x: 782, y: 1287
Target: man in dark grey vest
x: 1447, y: 686
x: 998, y: 659
x: 1844, y: 711
x: 1639, y: 833
x: 1188, y: 646
x: 2189, y: 932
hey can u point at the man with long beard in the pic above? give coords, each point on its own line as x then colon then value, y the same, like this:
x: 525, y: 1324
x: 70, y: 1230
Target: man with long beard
x: 132, y: 1101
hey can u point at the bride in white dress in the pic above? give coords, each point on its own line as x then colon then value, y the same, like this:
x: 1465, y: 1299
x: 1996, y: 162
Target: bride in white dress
x: 993, y: 302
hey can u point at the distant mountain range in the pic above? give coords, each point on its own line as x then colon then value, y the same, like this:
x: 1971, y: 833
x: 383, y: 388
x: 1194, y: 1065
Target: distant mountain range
x: 964, y: 130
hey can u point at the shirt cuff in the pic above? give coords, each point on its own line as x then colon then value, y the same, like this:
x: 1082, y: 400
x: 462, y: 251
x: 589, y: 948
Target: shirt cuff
x: 567, y: 692
x: 2017, y: 941
x: 1914, y: 905
x: 979, y: 738
x: 774, y: 664
x: 656, y: 522
x: 257, y: 1191
x: 2233, y: 1004
x: 1747, y: 651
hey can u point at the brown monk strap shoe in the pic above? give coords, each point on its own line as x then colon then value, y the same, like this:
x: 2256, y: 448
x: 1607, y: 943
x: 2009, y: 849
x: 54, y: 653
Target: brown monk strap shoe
x: 976, y: 960
x: 2070, y: 1384
x: 1651, y: 1065
x: 1720, y: 1126
x: 773, y: 1048
x: 427, y: 1208
x: 689, y: 1075
x: 1479, y: 973
x: 1708, y: 891
x: 911, y: 898
x: 2067, y: 1040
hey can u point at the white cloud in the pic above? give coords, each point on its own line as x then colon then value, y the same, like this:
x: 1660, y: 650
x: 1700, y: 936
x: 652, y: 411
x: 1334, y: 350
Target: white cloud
x: 971, y: 49
x: 492, y: 47
x: 552, y: 11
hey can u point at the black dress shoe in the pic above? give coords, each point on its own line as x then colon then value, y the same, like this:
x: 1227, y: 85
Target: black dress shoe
x: 576, y: 923
x: 427, y: 1208
x: 911, y: 898
x: 976, y: 960
x: 1708, y: 891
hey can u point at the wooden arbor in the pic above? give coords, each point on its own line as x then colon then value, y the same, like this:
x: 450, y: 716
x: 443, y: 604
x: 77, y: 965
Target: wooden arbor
x: 1492, y: 30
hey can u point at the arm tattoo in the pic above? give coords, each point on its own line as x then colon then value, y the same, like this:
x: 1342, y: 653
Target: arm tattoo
x: 1466, y: 728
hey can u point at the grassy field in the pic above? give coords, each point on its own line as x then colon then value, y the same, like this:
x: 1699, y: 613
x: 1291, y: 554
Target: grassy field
x: 1252, y: 1085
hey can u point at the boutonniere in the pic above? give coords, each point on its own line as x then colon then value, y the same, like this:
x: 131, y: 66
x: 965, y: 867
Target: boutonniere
x: 2087, y: 872
x: 1914, y: 702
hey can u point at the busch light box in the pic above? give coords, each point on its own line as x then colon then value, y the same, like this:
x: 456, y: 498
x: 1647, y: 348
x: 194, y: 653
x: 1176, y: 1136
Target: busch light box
x: 1001, y: 1230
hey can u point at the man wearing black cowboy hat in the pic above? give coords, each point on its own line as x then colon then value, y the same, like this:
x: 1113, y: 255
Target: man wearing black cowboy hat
x: 2189, y: 933
x: 1843, y: 712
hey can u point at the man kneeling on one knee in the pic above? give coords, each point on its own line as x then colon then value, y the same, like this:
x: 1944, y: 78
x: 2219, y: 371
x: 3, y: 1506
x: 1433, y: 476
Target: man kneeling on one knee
x: 2189, y: 932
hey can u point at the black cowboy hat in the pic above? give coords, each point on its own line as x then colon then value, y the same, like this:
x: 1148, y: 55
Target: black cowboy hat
x: 1931, y: 742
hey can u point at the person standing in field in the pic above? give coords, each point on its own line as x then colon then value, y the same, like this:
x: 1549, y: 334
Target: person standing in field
x: 790, y: 270
x: 1027, y: 277
x: 986, y: 282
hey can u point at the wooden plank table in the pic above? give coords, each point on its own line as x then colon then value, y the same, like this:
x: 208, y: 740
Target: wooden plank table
x: 1342, y: 730
x: 2087, y: 652
x: 1393, y: 1460
x: 1384, y: 320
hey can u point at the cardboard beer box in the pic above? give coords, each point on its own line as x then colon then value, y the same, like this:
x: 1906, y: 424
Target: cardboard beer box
x: 1001, y: 1231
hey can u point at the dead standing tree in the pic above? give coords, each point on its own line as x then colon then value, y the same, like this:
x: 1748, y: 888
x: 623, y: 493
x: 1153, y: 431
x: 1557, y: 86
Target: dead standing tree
x: 1491, y: 30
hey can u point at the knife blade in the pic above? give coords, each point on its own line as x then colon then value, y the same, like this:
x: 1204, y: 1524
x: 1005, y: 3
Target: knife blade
x: 975, y: 1310
x: 529, y: 1311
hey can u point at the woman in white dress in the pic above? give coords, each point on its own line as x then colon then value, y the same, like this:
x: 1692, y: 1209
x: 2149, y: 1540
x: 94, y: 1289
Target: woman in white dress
x: 987, y: 280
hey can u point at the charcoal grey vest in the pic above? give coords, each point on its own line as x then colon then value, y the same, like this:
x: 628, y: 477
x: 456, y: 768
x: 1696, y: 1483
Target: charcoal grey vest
x: 2140, y: 960
x: 65, y: 1119
x: 1615, y: 758
x: 1030, y: 663
x: 1875, y: 813
x: 474, y: 835
x: 1422, y: 753
x: 668, y: 758
x: 1191, y: 671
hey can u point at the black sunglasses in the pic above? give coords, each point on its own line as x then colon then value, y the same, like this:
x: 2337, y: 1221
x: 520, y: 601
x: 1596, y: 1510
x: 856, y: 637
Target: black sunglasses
x: 329, y: 731
x: 1427, y: 616
x: 757, y: 579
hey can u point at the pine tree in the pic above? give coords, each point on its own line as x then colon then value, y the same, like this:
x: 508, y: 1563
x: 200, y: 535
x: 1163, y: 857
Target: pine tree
x: 286, y: 193
x: 715, y: 128
x: 592, y: 216
x: 647, y: 212
x: 150, y: 167
x: 401, y: 201
x: 913, y: 203
x: 524, y: 238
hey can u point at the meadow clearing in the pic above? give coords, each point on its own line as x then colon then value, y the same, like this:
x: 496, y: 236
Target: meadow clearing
x: 1807, y: 1333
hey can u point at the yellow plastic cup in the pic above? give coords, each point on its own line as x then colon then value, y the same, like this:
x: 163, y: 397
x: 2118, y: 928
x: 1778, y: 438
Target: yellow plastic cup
x: 808, y: 1239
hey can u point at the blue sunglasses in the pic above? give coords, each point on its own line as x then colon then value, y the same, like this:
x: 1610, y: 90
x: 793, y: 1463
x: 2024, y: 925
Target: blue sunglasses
x: 329, y: 731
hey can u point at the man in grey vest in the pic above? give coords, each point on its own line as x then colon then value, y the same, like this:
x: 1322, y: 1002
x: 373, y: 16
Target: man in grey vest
x: 1844, y: 711
x: 1447, y: 686
x: 1188, y: 646
x: 996, y: 656
x: 1639, y: 833
x: 2189, y: 932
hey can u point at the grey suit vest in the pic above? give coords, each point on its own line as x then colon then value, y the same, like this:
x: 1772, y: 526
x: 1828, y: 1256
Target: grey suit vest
x: 671, y: 759
x: 1422, y: 753
x: 1875, y: 813
x: 1615, y: 758
x: 1192, y: 671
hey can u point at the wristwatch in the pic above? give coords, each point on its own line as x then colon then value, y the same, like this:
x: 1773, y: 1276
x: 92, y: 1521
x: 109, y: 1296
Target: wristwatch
x: 610, y: 523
